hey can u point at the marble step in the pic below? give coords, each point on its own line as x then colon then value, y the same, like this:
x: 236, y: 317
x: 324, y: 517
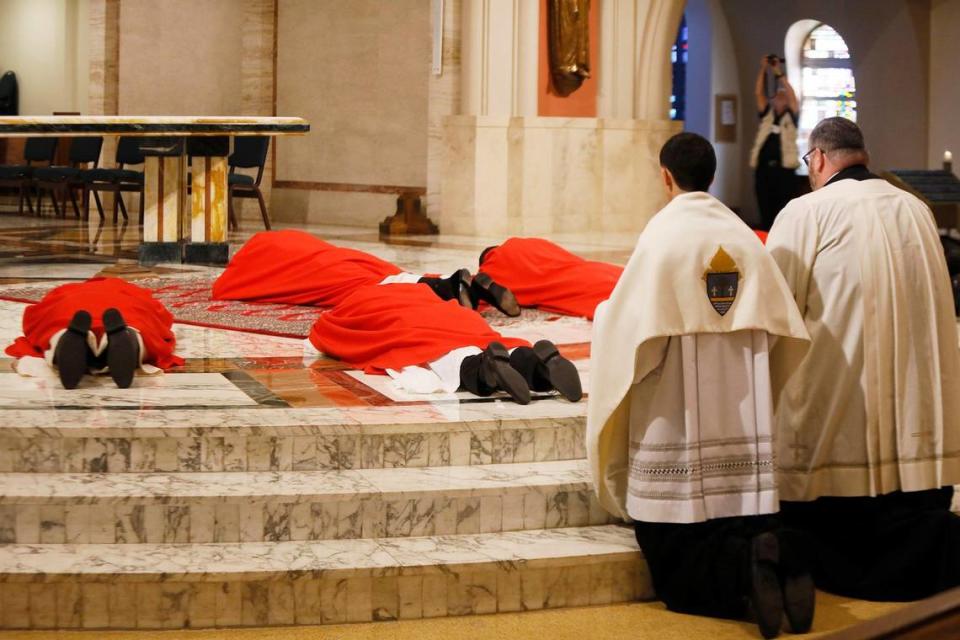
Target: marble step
x: 300, y: 505
x: 335, y: 581
x: 268, y: 439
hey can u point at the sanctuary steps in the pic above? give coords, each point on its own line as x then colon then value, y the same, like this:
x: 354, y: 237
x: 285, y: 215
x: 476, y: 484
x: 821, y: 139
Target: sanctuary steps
x: 187, y: 440
x: 158, y: 508
x: 151, y: 586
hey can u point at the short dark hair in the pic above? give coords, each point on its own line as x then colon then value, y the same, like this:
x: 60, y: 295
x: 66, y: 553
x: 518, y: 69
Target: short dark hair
x: 837, y: 134
x: 691, y: 161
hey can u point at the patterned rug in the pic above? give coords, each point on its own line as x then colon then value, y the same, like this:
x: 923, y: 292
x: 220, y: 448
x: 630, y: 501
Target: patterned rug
x: 189, y: 299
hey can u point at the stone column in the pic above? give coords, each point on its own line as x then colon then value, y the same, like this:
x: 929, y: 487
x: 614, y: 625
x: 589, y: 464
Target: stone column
x: 506, y: 170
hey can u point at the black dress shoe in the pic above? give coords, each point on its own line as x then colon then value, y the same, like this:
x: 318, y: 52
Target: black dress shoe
x: 123, y: 349
x: 766, y: 597
x: 796, y: 582
x: 70, y: 355
x: 484, y: 288
x: 497, y: 373
x: 561, y: 373
x: 456, y: 287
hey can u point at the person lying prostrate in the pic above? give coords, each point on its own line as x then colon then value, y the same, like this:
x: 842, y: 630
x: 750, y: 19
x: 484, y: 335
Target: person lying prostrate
x: 680, y: 414
x: 295, y: 267
x: 102, y: 325
x: 426, y: 345
x: 544, y: 275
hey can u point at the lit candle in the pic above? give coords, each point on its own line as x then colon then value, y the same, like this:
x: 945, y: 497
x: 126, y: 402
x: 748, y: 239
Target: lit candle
x: 947, y: 156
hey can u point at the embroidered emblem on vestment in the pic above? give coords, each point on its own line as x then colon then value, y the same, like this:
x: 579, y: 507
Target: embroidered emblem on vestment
x: 722, y: 279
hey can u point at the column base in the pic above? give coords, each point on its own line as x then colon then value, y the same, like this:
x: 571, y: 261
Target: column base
x: 152, y: 253
x: 211, y: 253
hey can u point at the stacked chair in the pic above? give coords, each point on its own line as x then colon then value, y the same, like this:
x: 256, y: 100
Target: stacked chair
x: 20, y: 176
x: 67, y: 180
x: 117, y: 181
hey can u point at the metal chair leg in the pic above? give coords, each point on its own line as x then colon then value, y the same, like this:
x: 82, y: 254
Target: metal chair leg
x: 263, y: 209
x: 231, y: 217
x: 96, y: 196
x: 123, y: 207
x: 73, y: 201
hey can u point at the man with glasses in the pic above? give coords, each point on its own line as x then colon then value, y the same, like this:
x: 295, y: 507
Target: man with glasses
x: 868, y: 423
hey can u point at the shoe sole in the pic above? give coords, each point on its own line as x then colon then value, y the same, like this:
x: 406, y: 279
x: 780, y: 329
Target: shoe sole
x: 463, y: 289
x: 508, y: 378
x: 799, y: 602
x: 123, y: 352
x: 70, y: 355
x: 501, y: 297
x: 562, y: 373
x: 765, y: 591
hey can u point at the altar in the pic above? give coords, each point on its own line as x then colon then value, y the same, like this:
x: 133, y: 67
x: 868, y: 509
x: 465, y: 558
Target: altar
x: 176, y: 228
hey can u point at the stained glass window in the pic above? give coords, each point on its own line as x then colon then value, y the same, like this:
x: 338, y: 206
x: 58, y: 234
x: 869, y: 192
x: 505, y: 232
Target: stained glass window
x: 678, y: 58
x: 827, y: 87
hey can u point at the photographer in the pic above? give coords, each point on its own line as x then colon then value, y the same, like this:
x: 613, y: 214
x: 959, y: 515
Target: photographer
x: 774, y: 156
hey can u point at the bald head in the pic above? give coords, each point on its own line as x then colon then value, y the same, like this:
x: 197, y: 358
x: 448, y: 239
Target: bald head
x: 835, y: 144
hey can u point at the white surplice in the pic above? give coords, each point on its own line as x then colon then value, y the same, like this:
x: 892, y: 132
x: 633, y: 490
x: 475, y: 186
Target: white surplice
x: 679, y: 409
x: 874, y: 406
x: 701, y: 439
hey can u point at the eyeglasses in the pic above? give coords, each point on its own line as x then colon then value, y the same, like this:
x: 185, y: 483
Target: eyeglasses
x: 806, y: 156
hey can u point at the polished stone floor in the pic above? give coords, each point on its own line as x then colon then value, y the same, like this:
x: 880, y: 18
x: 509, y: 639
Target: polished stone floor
x: 257, y: 486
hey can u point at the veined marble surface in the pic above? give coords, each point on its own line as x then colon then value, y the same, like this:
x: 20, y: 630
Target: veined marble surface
x: 247, y: 561
x: 177, y: 390
x: 301, y: 486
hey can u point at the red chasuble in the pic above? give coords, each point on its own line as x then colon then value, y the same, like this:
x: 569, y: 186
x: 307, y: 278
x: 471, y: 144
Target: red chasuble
x: 139, y: 308
x: 295, y: 267
x: 544, y: 275
x: 398, y: 325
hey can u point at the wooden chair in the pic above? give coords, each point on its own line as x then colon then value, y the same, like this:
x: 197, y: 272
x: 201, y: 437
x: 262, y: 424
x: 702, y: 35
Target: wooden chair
x: 248, y: 152
x: 66, y: 180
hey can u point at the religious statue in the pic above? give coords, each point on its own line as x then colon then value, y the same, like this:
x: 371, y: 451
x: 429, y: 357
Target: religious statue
x: 569, y: 44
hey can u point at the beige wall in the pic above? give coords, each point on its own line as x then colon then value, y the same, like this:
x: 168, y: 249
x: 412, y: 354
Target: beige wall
x: 45, y: 43
x: 889, y: 42
x: 359, y: 73
x: 944, y: 88
x: 180, y: 57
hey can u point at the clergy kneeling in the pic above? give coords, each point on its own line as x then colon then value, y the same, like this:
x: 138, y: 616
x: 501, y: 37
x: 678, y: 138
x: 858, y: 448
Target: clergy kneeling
x: 680, y: 413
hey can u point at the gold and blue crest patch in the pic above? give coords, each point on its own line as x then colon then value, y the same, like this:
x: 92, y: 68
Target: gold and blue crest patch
x: 722, y: 279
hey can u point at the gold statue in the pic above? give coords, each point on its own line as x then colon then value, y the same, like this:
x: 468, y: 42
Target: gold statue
x: 569, y: 44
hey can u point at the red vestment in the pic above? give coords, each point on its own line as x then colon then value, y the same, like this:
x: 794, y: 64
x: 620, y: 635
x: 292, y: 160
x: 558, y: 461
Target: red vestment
x: 544, y: 275
x: 762, y: 235
x: 398, y: 325
x: 295, y: 267
x: 139, y: 308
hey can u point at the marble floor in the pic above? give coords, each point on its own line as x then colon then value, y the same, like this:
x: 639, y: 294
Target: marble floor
x: 256, y: 487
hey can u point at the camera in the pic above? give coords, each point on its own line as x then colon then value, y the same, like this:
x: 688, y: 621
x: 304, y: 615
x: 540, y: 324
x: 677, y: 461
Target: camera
x: 774, y: 59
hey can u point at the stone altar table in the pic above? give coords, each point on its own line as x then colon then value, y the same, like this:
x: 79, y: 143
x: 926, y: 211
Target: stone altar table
x: 173, y: 229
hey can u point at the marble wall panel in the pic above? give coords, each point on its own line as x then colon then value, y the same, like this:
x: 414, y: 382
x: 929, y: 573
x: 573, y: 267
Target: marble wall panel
x: 540, y: 176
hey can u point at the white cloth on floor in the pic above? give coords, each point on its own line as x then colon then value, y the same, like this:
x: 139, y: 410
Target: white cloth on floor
x: 441, y: 375
x: 701, y: 440
x: 402, y: 278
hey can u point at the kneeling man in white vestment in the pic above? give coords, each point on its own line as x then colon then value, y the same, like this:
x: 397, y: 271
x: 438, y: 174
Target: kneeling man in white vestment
x: 868, y: 425
x: 680, y: 413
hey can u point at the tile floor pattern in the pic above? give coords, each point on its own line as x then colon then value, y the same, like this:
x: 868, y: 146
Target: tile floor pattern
x: 252, y: 486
